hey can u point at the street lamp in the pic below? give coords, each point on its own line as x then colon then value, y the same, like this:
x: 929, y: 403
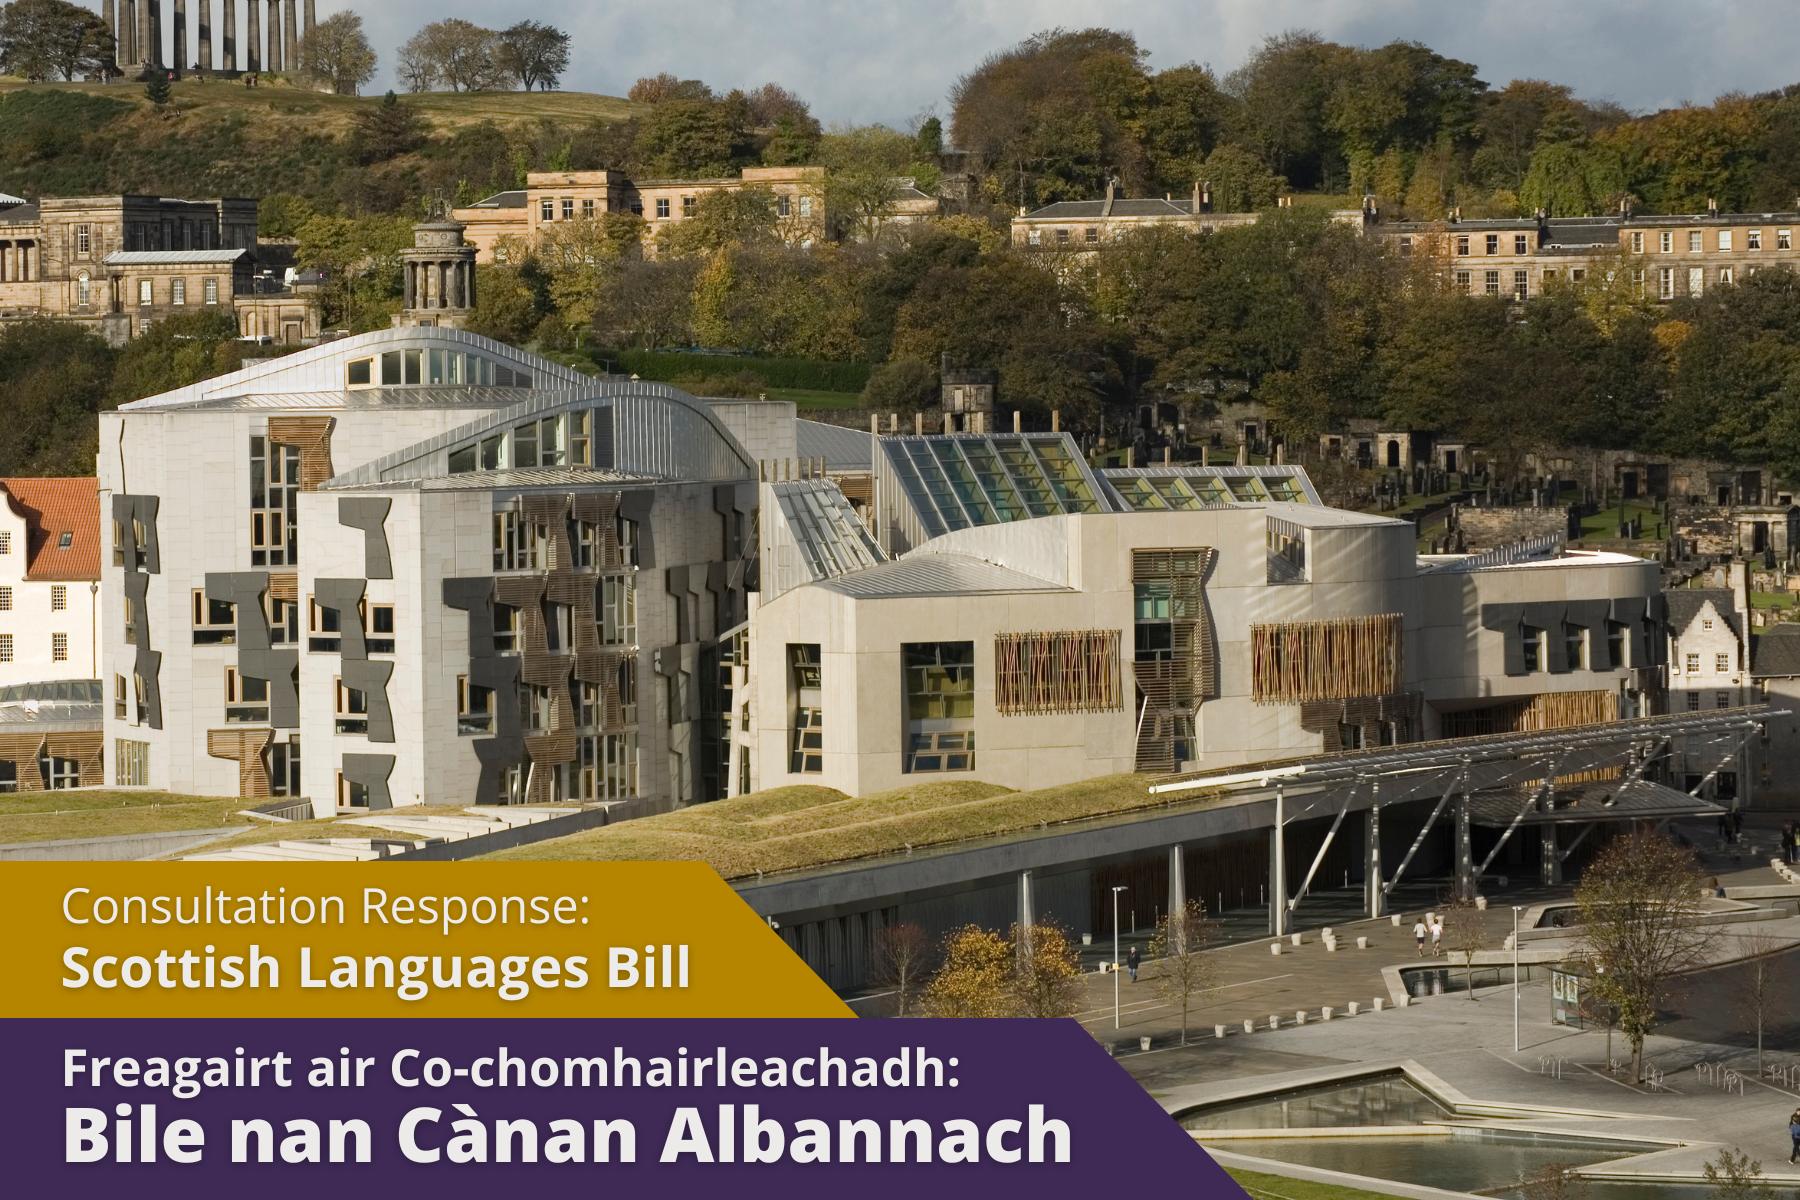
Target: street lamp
x: 1116, y: 892
x: 1516, y: 911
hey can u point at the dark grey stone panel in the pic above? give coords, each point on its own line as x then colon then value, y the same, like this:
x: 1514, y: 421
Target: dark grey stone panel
x: 345, y: 595
x: 279, y: 667
x: 245, y: 591
x: 475, y: 597
x: 369, y: 514
x: 636, y: 505
x: 371, y: 677
x: 142, y: 509
x: 372, y: 772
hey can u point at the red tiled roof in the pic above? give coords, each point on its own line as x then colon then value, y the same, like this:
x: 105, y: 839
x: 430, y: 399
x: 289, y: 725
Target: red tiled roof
x: 51, y: 508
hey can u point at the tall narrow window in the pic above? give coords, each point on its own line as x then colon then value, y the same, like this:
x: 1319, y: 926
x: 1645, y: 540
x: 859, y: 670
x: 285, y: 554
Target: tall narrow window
x: 210, y: 290
x: 352, y: 709
x: 940, y: 706
x: 474, y: 707
x: 178, y: 291
x: 806, y: 751
x: 84, y: 290
x: 59, y: 598
x: 59, y: 647
x: 1533, y: 639
x: 274, y: 503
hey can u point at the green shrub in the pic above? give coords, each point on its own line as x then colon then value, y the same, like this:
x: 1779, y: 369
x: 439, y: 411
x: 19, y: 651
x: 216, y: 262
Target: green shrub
x: 802, y: 373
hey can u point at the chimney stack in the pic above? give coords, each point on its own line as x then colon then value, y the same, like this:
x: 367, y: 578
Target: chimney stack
x: 875, y: 424
x: 919, y: 424
x: 1168, y: 454
x: 1712, y: 207
x: 1056, y: 420
x: 1112, y: 189
x: 1018, y: 421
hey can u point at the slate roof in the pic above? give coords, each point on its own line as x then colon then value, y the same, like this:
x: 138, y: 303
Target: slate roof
x: 842, y: 448
x: 502, y: 200
x: 1091, y: 210
x: 172, y: 258
x: 1685, y: 604
x: 53, y: 508
x: 1777, y: 653
x: 14, y: 211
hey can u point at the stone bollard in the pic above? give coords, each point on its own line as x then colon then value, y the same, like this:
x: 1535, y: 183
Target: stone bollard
x: 1300, y: 1017
x: 1274, y: 947
x: 1143, y: 1043
x: 1249, y: 1026
x: 1274, y: 1021
x: 1376, y: 1007
x: 1325, y: 1013
x: 1299, y: 939
x: 1362, y: 943
x: 1405, y: 1002
x: 1396, y: 920
x: 1218, y: 1031
x: 1327, y: 934
x: 1087, y: 939
x: 1352, y: 1008
x: 1481, y: 904
x: 1331, y: 945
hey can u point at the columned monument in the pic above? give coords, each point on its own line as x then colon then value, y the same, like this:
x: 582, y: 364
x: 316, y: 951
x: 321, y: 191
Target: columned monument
x: 137, y: 27
x: 440, y: 274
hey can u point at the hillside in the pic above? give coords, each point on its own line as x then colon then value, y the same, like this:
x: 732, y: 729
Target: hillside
x: 219, y: 137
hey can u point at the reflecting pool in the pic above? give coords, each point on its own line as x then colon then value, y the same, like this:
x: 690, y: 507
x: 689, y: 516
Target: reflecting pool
x: 1386, y: 1100
x: 1464, y: 1161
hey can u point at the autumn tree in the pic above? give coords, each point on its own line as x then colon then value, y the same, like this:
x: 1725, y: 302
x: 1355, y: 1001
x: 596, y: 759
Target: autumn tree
x: 901, y: 957
x: 454, y: 54
x: 1465, y: 934
x: 726, y: 217
x: 1736, y: 1176
x: 688, y: 138
x: 53, y: 39
x: 1636, y: 901
x: 1553, y: 1181
x: 337, y: 53
x: 534, y: 54
x: 658, y: 89
x: 1178, y: 950
x: 1046, y: 972
x: 579, y: 260
x: 974, y: 978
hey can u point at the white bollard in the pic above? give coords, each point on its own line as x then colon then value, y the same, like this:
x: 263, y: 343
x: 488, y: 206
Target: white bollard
x: 1327, y: 934
x: 1377, y: 1005
x: 1300, y: 1017
x: 1218, y: 1031
x: 1274, y: 947
x: 1405, y: 1002
x: 1298, y: 939
x: 1087, y: 939
x: 1352, y: 1008
x: 1143, y: 1043
x: 1396, y: 920
x: 1249, y: 1026
x: 1325, y: 1013
x: 1481, y: 904
x: 1331, y: 945
x: 1274, y: 1021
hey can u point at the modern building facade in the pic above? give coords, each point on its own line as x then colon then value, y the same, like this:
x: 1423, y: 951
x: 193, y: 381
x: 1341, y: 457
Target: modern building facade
x: 119, y: 264
x: 49, y: 580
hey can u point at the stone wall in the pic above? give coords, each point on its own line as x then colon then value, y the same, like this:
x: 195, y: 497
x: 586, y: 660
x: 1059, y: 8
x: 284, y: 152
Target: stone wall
x: 1488, y: 528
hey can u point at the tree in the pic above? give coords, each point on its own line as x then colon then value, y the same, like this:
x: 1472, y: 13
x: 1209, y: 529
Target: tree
x: 49, y: 39
x: 649, y: 304
x: 52, y: 374
x: 1239, y: 181
x: 579, y: 259
x: 454, y: 54
x: 1182, y: 967
x: 535, y: 54
x: 1465, y: 933
x: 1755, y: 983
x: 1636, y: 901
x: 1046, y: 978
x: 659, y: 89
x: 904, y: 385
x: 901, y: 956
x: 1735, y: 1176
x: 1553, y: 1181
x: 337, y: 53
x: 863, y: 171
x: 282, y: 214
x: 175, y: 353
x: 386, y: 130
x: 158, y: 88
x: 728, y: 217
x: 360, y: 257
x: 687, y: 139
x: 508, y: 307
x: 974, y: 978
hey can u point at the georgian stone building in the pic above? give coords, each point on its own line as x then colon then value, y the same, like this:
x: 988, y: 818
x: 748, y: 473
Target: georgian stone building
x: 121, y: 263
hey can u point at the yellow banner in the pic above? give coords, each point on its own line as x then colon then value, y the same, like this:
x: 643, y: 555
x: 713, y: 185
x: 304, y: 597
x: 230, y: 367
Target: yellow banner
x: 405, y: 940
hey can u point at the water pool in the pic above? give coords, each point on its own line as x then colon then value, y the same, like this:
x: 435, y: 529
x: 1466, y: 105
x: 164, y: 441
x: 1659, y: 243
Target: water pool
x: 1386, y: 1100
x: 1464, y: 1161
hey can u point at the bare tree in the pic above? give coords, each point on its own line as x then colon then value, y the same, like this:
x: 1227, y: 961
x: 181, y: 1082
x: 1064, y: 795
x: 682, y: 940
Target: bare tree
x: 901, y: 960
x: 1737, y: 1177
x: 1637, y: 901
x: 1753, y: 982
x: 454, y: 53
x: 1553, y: 1181
x: 1465, y: 933
x: 1182, y: 967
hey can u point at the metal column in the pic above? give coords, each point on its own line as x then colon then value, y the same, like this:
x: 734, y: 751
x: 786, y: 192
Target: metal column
x: 1465, y: 851
x: 1374, y: 895
x: 1278, y: 868
x: 1550, y: 866
x: 1177, y: 882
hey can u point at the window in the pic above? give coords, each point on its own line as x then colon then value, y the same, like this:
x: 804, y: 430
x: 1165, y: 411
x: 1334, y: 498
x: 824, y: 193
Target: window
x: 940, y: 706
x: 5, y: 541
x: 84, y: 290
x: 1577, y: 274
x: 1575, y: 647
x: 1092, y: 235
x: 784, y: 206
x: 536, y: 708
x: 1696, y: 281
x: 178, y: 291
x: 515, y: 542
x: 1521, y: 284
x: 1491, y: 284
x: 65, y: 539
x: 1693, y: 701
x: 929, y: 752
x: 1722, y: 700
x: 568, y: 208
x: 284, y: 767
x: 1493, y: 243
x: 274, y: 503
x: 352, y: 709
x: 1462, y: 244
x: 587, y: 209
x: 131, y: 763
x: 1462, y: 281
x: 1533, y: 642
x: 1784, y: 239
x: 474, y: 707
x: 210, y: 291
x: 324, y: 628
x: 1062, y: 237
x: 1666, y: 242
x: 246, y: 699
x: 1722, y: 663
x: 662, y: 209
x: 215, y: 621
x: 618, y: 610
x: 1637, y: 242
x: 546, y: 210
x: 806, y: 207
x: 59, y: 647
x: 6, y: 647
x: 1725, y: 239
x: 146, y: 293
x: 1066, y: 671
x: 361, y: 373
x: 1521, y: 244
x: 806, y: 753
x: 59, y: 598
x: 1406, y: 246
x: 1753, y: 239
x: 5, y: 599
x: 1693, y: 663
x: 1695, y: 238
x: 1665, y: 283
x: 351, y: 794
x: 1618, y: 645
x: 1637, y: 282
x: 284, y: 622
x: 378, y: 626
x: 687, y: 206
x: 84, y: 240
x: 506, y: 627
x: 60, y: 774
x: 121, y: 699
x: 1725, y: 275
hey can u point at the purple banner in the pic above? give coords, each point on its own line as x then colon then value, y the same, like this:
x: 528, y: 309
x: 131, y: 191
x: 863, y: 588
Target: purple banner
x: 566, y: 1108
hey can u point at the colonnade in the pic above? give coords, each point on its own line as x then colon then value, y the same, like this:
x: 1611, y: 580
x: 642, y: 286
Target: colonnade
x: 138, y: 28
x: 19, y: 262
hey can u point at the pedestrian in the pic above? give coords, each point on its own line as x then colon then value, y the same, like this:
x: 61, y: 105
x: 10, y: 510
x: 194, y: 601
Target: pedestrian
x: 1737, y: 824
x: 1419, y: 936
x: 1794, y: 1133
x: 1724, y: 829
x: 1791, y: 843
x: 1131, y: 963
x: 1437, y: 936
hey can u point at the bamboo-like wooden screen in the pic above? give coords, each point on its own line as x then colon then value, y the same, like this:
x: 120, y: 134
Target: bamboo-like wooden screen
x: 244, y: 747
x: 1325, y: 660
x: 312, y: 437
x: 1065, y: 671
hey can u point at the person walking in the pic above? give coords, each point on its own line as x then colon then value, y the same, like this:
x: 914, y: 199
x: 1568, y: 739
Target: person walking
x: 1131, y: 963
x: 1794, y: 1135
x: 1419, y: 936
x: 1437, y: 936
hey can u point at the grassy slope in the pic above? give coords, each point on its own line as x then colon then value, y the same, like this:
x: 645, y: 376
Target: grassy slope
x: 793, y: 828
x: 1280, y: 1187
x: 53, y: 816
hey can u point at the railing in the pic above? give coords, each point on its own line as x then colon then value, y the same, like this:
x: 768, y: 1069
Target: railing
x: 1532, y: 549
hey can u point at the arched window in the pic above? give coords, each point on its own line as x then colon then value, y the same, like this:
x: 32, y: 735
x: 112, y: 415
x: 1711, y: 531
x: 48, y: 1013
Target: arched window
x: 83, y: 289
